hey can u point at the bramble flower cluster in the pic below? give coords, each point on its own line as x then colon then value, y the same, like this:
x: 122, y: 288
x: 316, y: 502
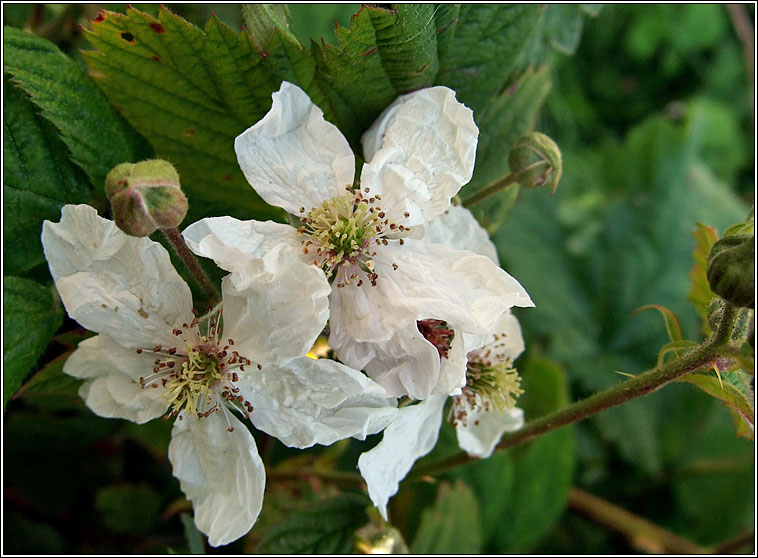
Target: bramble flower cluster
x: 416, y: 304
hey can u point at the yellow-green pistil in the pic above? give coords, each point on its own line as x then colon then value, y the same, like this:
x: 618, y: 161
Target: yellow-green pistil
x: 200, y: 378
x: 343, y: 231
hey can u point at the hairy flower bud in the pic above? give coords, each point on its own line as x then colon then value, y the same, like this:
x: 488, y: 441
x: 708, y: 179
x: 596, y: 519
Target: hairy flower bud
x: 731, y: 270
x: 145, y: 196
x: 535, y: 160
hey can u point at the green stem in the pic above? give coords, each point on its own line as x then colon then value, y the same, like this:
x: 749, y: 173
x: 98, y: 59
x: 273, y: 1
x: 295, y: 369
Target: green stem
x: 640, y: 532
x: 488, y: 191
x: 638, y: 386
x: 176, y: 241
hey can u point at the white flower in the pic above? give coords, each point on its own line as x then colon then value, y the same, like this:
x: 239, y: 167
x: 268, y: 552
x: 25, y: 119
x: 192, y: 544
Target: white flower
x: 384, y: 279
x: 154, y: 357
x: 482, y: 410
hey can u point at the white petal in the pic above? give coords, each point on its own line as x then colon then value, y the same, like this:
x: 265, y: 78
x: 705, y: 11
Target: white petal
x: 509, y: 342
x: 453, y: 368
x: 293, y: 157
x: 459, y: 229
x: 308, y: 402
x: 112, y: 283
x: 479, y: 440
x: 420, y: 152
x: 464, y: 289
x: 231, y: 242
x: 221, y: 474
x: 112, y: 387
x: 275, y: 308
x: 411, y: 435
x: 405, y: 364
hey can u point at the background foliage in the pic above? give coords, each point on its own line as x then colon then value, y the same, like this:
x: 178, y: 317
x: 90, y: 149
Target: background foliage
x: 651, y: 108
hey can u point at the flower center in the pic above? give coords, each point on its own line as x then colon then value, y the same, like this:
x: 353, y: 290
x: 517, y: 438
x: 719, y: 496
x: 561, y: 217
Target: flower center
x: 438, y: 333
x: 342, y: 233
x: 492, y: 383
x: 200, y: 378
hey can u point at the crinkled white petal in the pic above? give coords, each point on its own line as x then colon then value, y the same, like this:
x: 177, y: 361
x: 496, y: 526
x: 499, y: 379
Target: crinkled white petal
x: 231, y: 243
x: 420, y: 152
x: 483, y: 430
x: 220, y: 472
x: 464, y: 289
x: 111, y: 373
x: 307, y: 402
x: 293, y: 157
x: 453, y: 368
x: 459, y: 229
x: 112, y: 283
x: 411, y: 435
x: 275, y: 308
x: 405, y: 364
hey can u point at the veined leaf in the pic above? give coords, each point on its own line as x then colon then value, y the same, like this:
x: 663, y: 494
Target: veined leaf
x: 69, y: 99
x: 451, y: 525
x: 190, y: 92
x: 736, y: 400
x: 326, y: 527
x: 39, y: 180
x: 30, y: 317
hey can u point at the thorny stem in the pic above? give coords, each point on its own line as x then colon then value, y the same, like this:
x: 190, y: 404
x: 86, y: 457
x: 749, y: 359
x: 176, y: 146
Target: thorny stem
x: 340, y: 477
x: 641, y: 533
x: 638, y: 386
x: 175, y: 239
x: 488, y: 191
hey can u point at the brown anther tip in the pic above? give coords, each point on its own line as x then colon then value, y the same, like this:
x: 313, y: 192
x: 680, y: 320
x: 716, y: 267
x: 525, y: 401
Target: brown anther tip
x: 260, y: 367
x: 139, y: 351
x: 230, y: 429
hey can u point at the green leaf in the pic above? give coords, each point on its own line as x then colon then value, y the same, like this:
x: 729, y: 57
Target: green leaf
x: 673, y: 327
x: 190, y: 92
x: 451, y: 525
x: 326, y: 527
x: 700, y: 293
x: 39, y: 180
x: 485, y: 45
x: 739, y: 403
x: 51, y: 387
x: 72, y: 102
x: 31, y: 315
x: 129, y: 508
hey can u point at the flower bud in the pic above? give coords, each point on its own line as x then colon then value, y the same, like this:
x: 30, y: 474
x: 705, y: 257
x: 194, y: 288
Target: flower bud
x: 731, y: 270
x: 535, y: 160
x: 145, y: 196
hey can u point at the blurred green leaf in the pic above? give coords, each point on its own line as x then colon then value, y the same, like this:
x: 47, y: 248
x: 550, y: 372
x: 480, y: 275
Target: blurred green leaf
x: 31, y: 315
x: 194, y: 538
x: 451, y: 525
x: 39, y: 180
x: 190, y: 92
x: 326, y: 527
x: 739, y: 403
x: 51, y: 388
x: 72, y: 102
x: 128, y: 508
x: 26, y: 536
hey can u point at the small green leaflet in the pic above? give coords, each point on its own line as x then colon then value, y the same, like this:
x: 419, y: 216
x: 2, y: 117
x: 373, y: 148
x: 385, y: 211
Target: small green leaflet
x: 190, y: 92
x: 738, y: 401
x: 700, y: 293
